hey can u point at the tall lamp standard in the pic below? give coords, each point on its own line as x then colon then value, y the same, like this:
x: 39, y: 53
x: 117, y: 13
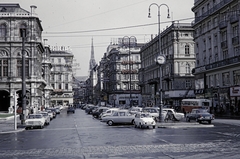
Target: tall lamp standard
x: 129, y: 63
x: 160, y: 59
x: 23, y: 33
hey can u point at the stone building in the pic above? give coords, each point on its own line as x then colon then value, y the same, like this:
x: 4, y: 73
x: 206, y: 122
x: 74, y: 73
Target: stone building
x: 216, y: 36
x: 118, y: 73
x: 177, y: 46
x: 13, y: 19
x: 61, y: 76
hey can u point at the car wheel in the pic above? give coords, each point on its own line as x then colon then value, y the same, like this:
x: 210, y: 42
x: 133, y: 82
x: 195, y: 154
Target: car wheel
x: 135, y: 125
x: 187, y: 119
x: 42, y: 127
x: 110, y: 122
x: 133, y: 122
x: 140, y: 125
x: 154, y: 127
x: 209, y: 122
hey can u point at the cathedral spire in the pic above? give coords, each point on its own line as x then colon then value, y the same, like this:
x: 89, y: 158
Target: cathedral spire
x: 92, y: 61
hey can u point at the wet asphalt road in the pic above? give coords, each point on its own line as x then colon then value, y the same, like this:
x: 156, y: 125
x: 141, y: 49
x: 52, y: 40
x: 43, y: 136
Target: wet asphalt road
x: 79, y: 136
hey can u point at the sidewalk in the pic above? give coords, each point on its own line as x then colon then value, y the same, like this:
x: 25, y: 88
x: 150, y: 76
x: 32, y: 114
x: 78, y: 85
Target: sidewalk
x: 7, y: 125
x: 183, y: 124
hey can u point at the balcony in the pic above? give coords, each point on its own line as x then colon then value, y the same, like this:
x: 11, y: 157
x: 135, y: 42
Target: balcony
x: 222, y: 24
x: 235, y: 40
x: 224, y: 45
x: 211, y: 10
x: 234, y: 18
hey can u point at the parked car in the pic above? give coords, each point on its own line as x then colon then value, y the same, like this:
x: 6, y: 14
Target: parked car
x: 46, y: 117
x: 200, y: 115
x: 135, y: 110
x: 35, y: 121
x: 108, y: 112
x: 70, y: 110
x: 144, y: 120
x: 88, y: 109
x: 119, y: 117
x: 154, y: 112
x: 98, y: 111
x: 175, y: 115
x: 50, y: 114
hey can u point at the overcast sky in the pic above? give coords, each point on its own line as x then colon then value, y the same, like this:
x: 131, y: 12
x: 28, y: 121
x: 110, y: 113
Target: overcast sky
x: 75, y: 22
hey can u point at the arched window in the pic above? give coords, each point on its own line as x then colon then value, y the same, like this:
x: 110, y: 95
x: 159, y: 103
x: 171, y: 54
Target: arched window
x: 3, y: 31
x: 187, y: 68
x: 187, y: 52
x: 24, y: 28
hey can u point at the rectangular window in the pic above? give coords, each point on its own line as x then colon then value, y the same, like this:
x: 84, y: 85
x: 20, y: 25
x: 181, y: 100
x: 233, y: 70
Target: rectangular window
x: 53, y: 86
x: 59, y: 77
x: 236, y: 77
x: 226, y: 79
x: 188, y: 83
x: 19, y: 68
x: 4, y: 68
x: 66, y: 86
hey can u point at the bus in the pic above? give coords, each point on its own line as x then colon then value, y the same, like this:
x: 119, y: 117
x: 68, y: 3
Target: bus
x: 188, y: 104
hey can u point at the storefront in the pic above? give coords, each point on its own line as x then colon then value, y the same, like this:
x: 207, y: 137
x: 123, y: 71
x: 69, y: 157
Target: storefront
x: 235, y: 100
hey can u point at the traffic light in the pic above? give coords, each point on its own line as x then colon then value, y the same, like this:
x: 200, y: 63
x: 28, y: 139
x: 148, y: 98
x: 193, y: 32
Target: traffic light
x: 19, y: 101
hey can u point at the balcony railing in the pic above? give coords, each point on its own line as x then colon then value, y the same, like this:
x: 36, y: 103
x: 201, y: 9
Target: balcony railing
x: 211, y: 10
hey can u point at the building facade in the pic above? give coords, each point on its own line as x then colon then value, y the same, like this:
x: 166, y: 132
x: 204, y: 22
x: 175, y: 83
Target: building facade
x: 118, y: 73
x: 12, y: 49
x: 61, y: 76
x: 217, y: 75
x: 177, y: 46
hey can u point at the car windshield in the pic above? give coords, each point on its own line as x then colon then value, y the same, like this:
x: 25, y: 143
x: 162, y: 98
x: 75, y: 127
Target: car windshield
x: 145, y: 116
x: 202, y: 111
x: 35, y: 116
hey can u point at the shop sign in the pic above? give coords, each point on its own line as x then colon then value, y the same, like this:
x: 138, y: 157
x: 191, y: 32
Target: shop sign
x: 235, y: 91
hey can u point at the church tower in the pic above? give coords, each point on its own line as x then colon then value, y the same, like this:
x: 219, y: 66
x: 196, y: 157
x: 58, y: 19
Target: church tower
x: 92, y: 61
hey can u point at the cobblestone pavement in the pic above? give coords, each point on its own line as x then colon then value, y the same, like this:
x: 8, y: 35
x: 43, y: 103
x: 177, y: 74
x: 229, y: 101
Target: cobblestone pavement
x: 169, y: 151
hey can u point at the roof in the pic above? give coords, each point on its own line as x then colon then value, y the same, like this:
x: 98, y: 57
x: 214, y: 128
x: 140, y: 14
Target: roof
x: 11, y: 7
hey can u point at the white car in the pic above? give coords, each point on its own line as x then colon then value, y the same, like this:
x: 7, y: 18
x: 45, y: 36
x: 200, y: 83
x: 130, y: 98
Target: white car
x: 46, y: 116
x: 135, y: 110
x: 35, y: 121
x: 119, y: 117
x: 176, y: 115
x: 144, y: 120
x: 108, y: 112
x: 154, y: 112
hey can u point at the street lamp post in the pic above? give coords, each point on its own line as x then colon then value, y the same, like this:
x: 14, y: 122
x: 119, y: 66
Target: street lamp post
x: 160, y: 59
x: 23, y: 33
x: 129, y: 63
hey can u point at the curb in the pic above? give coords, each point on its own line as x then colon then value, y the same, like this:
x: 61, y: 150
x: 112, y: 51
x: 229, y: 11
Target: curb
x: 12, y: 131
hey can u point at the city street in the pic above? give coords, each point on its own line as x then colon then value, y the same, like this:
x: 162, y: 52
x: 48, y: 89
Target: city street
x: 79, y: 136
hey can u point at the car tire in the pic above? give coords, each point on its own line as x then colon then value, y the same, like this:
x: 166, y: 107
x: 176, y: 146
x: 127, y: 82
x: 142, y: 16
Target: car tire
x: 187, y: 119
x: 133, y: 122
x: 110, y: 123
x: 209, y: 122
x: 140, y: 125
x: 153, y: 127
x: 135, y: 125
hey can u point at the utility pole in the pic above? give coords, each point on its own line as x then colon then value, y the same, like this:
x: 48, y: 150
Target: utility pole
x: 23, y: 35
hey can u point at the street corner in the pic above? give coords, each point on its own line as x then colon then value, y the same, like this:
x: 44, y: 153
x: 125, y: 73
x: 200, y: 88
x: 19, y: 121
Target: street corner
x: 12, y: 131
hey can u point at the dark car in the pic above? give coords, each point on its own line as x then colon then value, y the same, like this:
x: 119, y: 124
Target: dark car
x: 98, y: 111
x: 200, y: 115
x: 53, y: 111
x: 71, y: 110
